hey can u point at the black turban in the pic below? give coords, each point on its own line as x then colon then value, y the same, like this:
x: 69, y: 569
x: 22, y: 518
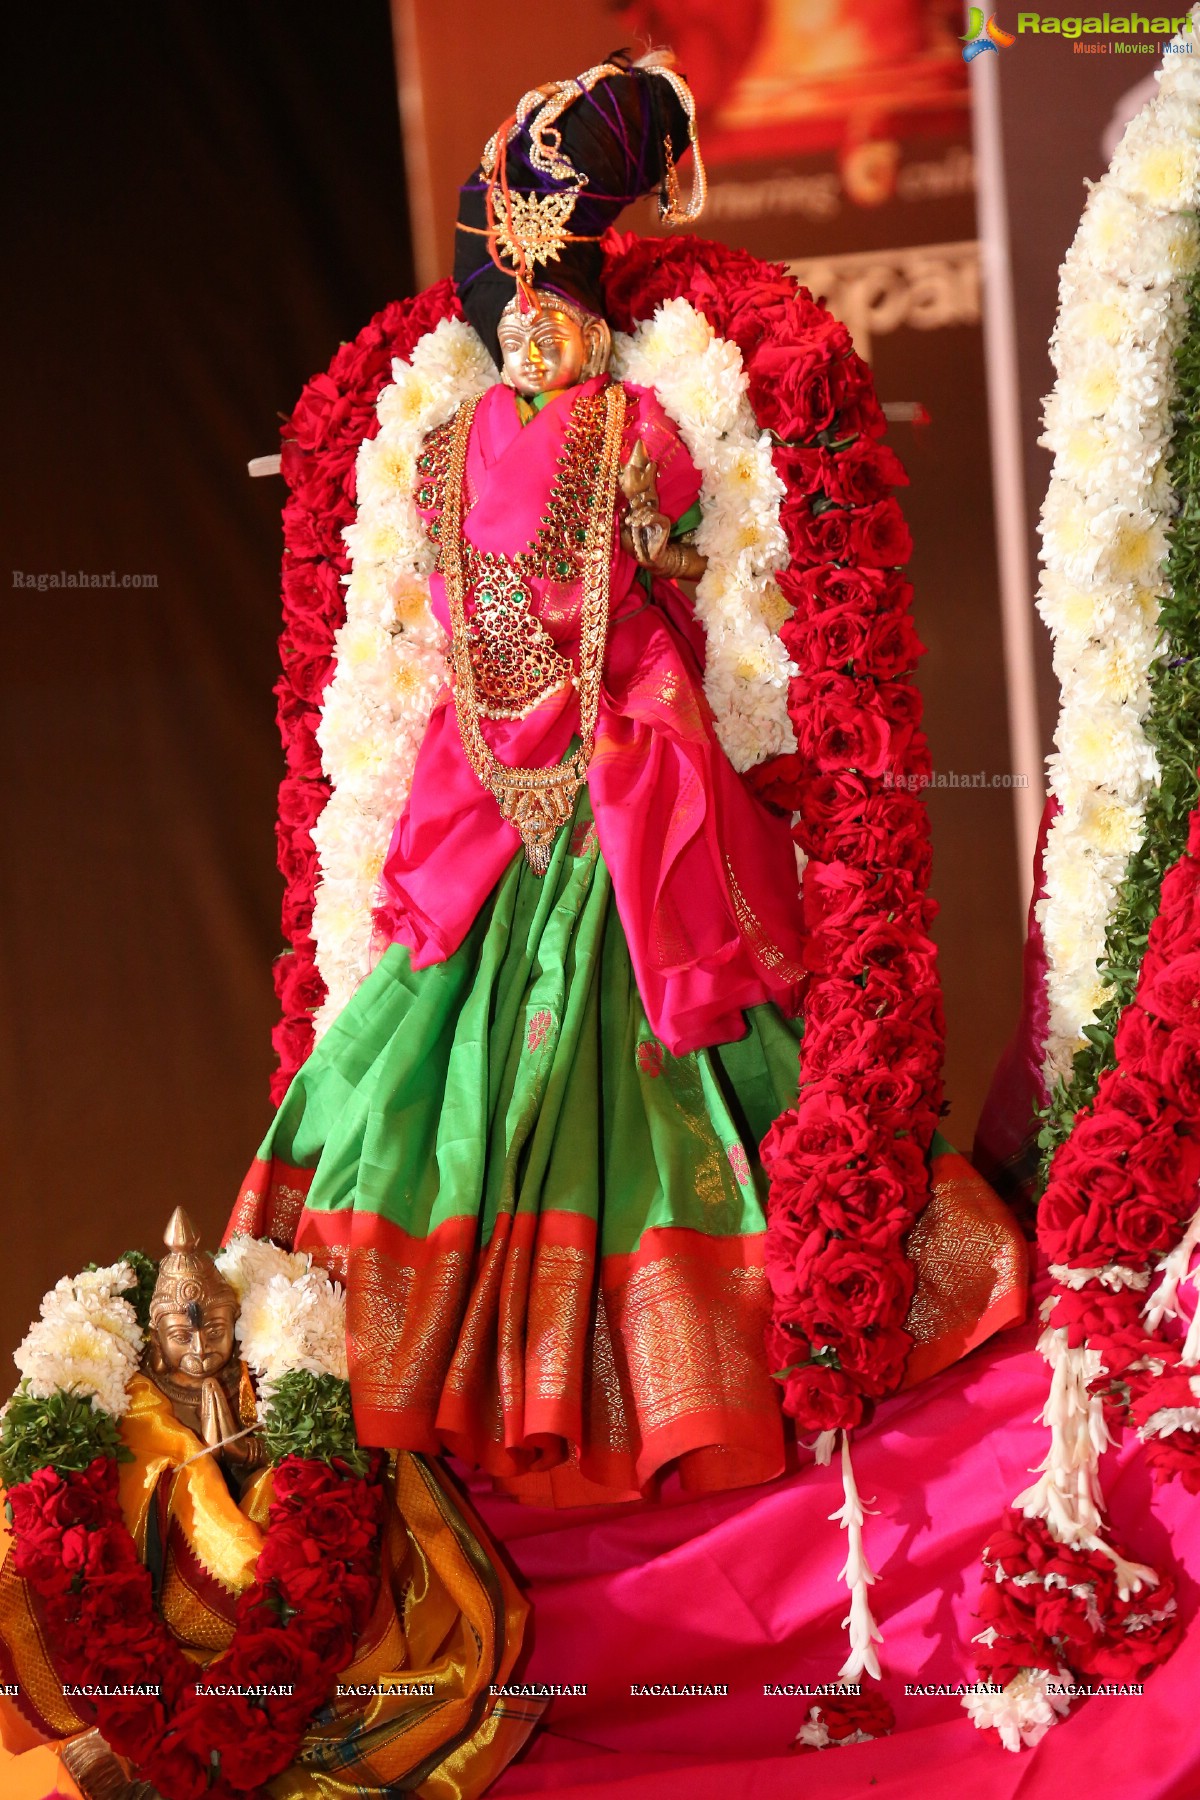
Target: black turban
x: 615, y: 135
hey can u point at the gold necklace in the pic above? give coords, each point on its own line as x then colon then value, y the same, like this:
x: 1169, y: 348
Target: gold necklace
x: 538, y: 801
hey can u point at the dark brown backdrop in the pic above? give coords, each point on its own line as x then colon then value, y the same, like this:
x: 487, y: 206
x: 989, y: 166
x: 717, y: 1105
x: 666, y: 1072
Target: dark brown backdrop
x: 205, y: 199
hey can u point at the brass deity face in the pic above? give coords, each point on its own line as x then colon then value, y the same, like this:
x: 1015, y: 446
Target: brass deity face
x: 553, y: 346
x: 195, y: 1342
x: 193, y: 1311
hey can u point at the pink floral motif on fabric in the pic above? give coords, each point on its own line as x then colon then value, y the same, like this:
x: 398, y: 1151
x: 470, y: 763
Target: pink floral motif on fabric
x: 650, y: 1058
x: 539, y: 1029
x: 739, y: 1163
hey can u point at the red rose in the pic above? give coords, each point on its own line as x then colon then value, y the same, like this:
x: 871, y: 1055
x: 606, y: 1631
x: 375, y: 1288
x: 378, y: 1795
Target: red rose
x: 1177, y: 927
x: 1173, y: 994
x: 855, y: 1285
x: 829, y: 640
x: 786, y: 1348
x: 300, y: 745
x: 840, y: 729
x: 875, y: 1360
x: 1093, y: 1312
x: 1179, y: 1069
x: 291, y: 1040
x: 177, y: 1768
x: 298, y: 986
x: 1175, y: 1456
x: 822, y: 1399
x: 865, y: 1714
x: 880, y: 538
x: 861, y: 472
x: 1137, y: 1095
x: 278, y: 1656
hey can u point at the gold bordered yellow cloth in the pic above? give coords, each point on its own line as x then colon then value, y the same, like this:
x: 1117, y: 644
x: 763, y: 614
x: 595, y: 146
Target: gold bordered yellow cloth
x: 414, y: 1709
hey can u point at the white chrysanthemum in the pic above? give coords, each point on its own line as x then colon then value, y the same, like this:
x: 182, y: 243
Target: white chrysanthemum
x: 1158, y: 160
x: 246, y: 1262
x: 287, y: 1324
x: 1025, y: 1711
x: 73, y: 1350
x: 1119, y: 236
x: 117, y: 1278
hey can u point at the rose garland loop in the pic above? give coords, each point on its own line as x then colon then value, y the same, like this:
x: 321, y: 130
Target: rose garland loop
x: 296, y: 1627
x: 331, y: 419
x: 847, y: 1163
x: 317, y: 1574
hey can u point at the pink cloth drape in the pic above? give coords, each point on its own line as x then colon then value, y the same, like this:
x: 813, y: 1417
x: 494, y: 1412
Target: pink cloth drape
x: 743, y: 1589
x: 703, y: 874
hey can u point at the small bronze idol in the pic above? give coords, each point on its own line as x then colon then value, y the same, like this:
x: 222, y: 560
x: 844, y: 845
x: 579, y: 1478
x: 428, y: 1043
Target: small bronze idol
x: 190, y: 1354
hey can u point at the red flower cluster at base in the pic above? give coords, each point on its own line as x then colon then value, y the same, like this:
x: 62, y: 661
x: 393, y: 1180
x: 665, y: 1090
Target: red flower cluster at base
x: 849, y: 1718
x: 1047, y: 1605
x: 297, y: 1625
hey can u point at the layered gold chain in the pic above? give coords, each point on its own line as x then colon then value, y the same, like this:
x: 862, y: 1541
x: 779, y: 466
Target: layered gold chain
x: 538, y: 801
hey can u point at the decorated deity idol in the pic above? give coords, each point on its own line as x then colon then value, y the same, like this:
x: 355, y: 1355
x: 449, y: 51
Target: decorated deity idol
x: 625, y: 647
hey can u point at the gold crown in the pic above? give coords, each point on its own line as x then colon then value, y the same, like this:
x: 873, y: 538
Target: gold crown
x: 187, y: 1275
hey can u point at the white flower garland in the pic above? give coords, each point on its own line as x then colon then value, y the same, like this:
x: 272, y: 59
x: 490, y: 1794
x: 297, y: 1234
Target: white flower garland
x: 1108, y: 422
x: 390, y: 661
x: 701, y: 384
x: 86, y: 1341
x: 293, y: 1315
x: 390, y: 654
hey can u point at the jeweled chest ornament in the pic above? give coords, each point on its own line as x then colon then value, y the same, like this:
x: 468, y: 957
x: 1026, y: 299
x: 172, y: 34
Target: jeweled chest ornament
x: 574, y: 541
x: 515, y: 661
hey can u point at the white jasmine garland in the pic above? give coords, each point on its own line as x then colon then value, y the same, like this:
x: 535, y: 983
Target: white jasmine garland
x: 1108, y: 423
x: 390, y: 654
x: 1030, y: 1704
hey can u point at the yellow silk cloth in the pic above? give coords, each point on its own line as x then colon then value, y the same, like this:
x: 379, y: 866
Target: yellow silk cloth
x: 447, y: 1617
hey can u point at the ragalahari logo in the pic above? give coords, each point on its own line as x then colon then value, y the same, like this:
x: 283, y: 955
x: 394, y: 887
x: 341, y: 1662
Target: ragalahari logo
x: 979, y: 37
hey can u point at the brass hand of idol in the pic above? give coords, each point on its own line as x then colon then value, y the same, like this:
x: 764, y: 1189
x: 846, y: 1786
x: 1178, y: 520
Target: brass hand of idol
x: 646, y: 531
x: 218, y: 1425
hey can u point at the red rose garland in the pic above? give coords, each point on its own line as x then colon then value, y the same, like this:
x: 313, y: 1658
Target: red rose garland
x: 1121, y: 1196
x: 847, y: 1164
x: 313, y: 1592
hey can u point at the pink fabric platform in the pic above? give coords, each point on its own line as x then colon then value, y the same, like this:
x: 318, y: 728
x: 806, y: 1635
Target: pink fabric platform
x: 743, y: 1589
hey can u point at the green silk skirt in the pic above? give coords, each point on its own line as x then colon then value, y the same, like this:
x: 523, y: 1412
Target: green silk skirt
x: 551, y: 1229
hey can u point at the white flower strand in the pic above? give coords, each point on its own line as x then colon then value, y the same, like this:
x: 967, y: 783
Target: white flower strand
x: 1108, y: 423
x: 1164, y: 1302
x: 86, y: 1341
x: 858, y: 1576
x: 390, y: 653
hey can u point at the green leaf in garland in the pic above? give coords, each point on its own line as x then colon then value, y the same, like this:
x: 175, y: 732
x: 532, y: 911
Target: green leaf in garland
x: 62, y: 1432
x: 310, y: 1415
